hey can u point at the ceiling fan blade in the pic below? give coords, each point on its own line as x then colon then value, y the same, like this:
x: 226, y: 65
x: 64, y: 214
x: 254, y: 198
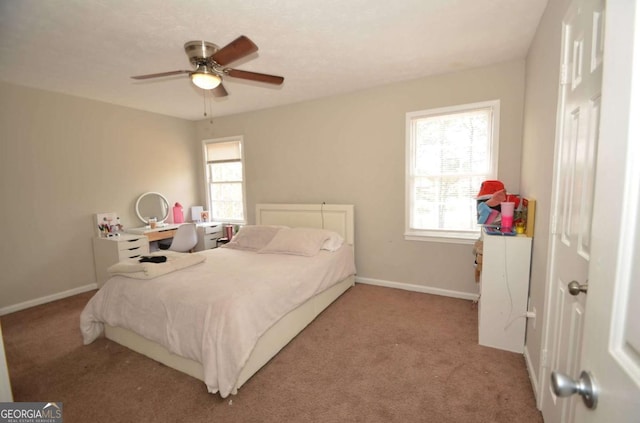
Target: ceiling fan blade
x: 219, y: 91
x: 236, y: 49
x: 254, y: 76
x: 158, y: 75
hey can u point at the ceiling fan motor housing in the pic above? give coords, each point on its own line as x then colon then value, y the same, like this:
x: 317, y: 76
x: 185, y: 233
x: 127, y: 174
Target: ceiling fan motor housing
x: 199, y: 51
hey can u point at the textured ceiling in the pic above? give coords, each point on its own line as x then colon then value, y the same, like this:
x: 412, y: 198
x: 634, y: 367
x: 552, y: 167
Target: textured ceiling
x: 90, y: 48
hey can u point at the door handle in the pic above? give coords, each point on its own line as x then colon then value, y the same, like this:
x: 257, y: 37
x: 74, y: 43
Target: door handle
x: 564, y: 386
x: 575, y: 288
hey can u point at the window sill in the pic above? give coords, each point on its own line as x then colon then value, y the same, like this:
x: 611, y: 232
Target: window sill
x: 447, y: 238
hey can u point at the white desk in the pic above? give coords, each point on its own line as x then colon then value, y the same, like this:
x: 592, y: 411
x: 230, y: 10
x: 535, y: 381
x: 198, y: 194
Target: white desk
x: 208, y: 233
x: 135, y: 242
x: 166, y: 230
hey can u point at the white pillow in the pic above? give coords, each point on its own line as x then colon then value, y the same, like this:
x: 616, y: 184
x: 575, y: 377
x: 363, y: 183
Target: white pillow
x: 302, y: 242
x: 253, y: 237
x: 333, y: 243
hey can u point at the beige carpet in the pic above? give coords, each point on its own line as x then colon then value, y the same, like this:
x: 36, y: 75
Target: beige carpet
x: 375, y: 355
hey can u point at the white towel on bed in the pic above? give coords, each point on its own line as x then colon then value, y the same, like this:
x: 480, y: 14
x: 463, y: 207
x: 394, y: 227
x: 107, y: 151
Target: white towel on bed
x: 132, y: 268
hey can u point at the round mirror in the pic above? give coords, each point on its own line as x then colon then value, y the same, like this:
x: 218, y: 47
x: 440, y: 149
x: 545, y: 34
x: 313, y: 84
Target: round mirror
x: 152, y: 204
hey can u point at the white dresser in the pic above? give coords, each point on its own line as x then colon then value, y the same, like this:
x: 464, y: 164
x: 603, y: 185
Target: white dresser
x: 504, y: 290
x: 109, y: 251
x: 208, y: 235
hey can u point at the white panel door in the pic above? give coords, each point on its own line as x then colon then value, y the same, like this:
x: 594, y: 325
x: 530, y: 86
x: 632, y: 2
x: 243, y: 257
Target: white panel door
x: 611, y: 349
x: 574, y: 179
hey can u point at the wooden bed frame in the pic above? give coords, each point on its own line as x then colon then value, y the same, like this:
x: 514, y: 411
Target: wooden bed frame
x: 338, y: 218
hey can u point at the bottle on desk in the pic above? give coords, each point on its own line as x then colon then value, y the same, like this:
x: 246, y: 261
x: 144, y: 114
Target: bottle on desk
x: 178, y: 215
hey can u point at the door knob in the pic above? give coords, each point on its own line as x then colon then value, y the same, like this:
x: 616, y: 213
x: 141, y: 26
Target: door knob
x: 564, y: 386
x: 575, y: 288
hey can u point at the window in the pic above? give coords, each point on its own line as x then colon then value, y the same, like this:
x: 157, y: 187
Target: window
x: 224, y: 175
x: 450, y: 152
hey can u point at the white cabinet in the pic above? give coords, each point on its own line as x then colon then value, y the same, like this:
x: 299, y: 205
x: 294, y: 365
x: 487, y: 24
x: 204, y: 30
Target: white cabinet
x: 504, y: 289
x: 208, y: 234
x: 109, y: 251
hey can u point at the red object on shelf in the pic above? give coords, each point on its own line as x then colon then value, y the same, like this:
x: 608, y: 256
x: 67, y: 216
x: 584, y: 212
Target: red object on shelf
x: 487, y: 188
x: 513, y: 198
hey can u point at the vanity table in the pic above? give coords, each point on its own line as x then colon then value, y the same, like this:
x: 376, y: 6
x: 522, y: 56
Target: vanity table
x: 134, y: 242
x: 208, y: 233
x: 163, y: 231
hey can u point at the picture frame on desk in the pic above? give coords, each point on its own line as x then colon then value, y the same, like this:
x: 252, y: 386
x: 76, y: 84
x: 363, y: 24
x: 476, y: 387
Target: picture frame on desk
x: 107, y: 224
x: 196, y: 213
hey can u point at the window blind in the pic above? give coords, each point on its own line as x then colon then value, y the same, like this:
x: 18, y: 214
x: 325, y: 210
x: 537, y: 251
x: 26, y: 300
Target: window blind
x: 223, y: 152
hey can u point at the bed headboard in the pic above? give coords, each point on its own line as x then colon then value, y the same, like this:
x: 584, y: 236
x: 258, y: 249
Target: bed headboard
x: 335, y: 217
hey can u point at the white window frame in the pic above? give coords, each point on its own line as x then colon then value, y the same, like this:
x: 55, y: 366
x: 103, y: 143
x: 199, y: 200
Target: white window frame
x: 451, y: 236
x: 240, y: 139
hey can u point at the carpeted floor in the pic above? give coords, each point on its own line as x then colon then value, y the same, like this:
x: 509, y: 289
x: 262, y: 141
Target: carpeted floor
x: 375, y: 355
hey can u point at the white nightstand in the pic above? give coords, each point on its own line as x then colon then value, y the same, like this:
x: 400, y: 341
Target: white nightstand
x: 504, y: 289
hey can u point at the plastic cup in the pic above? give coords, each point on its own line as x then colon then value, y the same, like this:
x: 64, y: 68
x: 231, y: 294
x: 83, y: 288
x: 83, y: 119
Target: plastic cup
x: 228, y: 232
x: 506, y: 211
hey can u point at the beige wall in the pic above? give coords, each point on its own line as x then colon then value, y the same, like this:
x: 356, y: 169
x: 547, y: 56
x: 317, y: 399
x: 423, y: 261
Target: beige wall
x: 543, y: 62
x: 64, y: 158
x: 351, y: 149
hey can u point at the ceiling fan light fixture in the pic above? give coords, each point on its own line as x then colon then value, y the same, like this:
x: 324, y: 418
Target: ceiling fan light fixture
x: 205, y: 79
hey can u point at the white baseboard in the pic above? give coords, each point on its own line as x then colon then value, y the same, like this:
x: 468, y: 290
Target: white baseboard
x: 47, y: 299
x: 418, y: 288
x: 369, y: 281
x: 533, y: 377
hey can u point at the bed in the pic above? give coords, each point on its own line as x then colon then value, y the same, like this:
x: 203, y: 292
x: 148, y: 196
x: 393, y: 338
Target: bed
x: 219, y: 353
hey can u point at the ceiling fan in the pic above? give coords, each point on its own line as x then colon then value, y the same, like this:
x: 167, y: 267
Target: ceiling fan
x: 210, y: 60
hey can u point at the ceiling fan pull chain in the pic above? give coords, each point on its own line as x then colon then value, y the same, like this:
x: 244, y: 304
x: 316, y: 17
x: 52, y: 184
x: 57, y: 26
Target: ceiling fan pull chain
x: 204, y: 102
x: 211, y: 108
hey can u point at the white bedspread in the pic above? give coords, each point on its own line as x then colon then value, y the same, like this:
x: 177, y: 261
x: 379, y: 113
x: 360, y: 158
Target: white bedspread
x: 215, y: 312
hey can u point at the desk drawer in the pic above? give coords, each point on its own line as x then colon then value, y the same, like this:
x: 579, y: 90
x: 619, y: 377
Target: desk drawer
x: 213, y: 229
x: 164, y: 234
x: 133, y: 252
x: 129, y: 244
x: 108, y: 251
x: 211, y: 241
x: 208, y: 235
